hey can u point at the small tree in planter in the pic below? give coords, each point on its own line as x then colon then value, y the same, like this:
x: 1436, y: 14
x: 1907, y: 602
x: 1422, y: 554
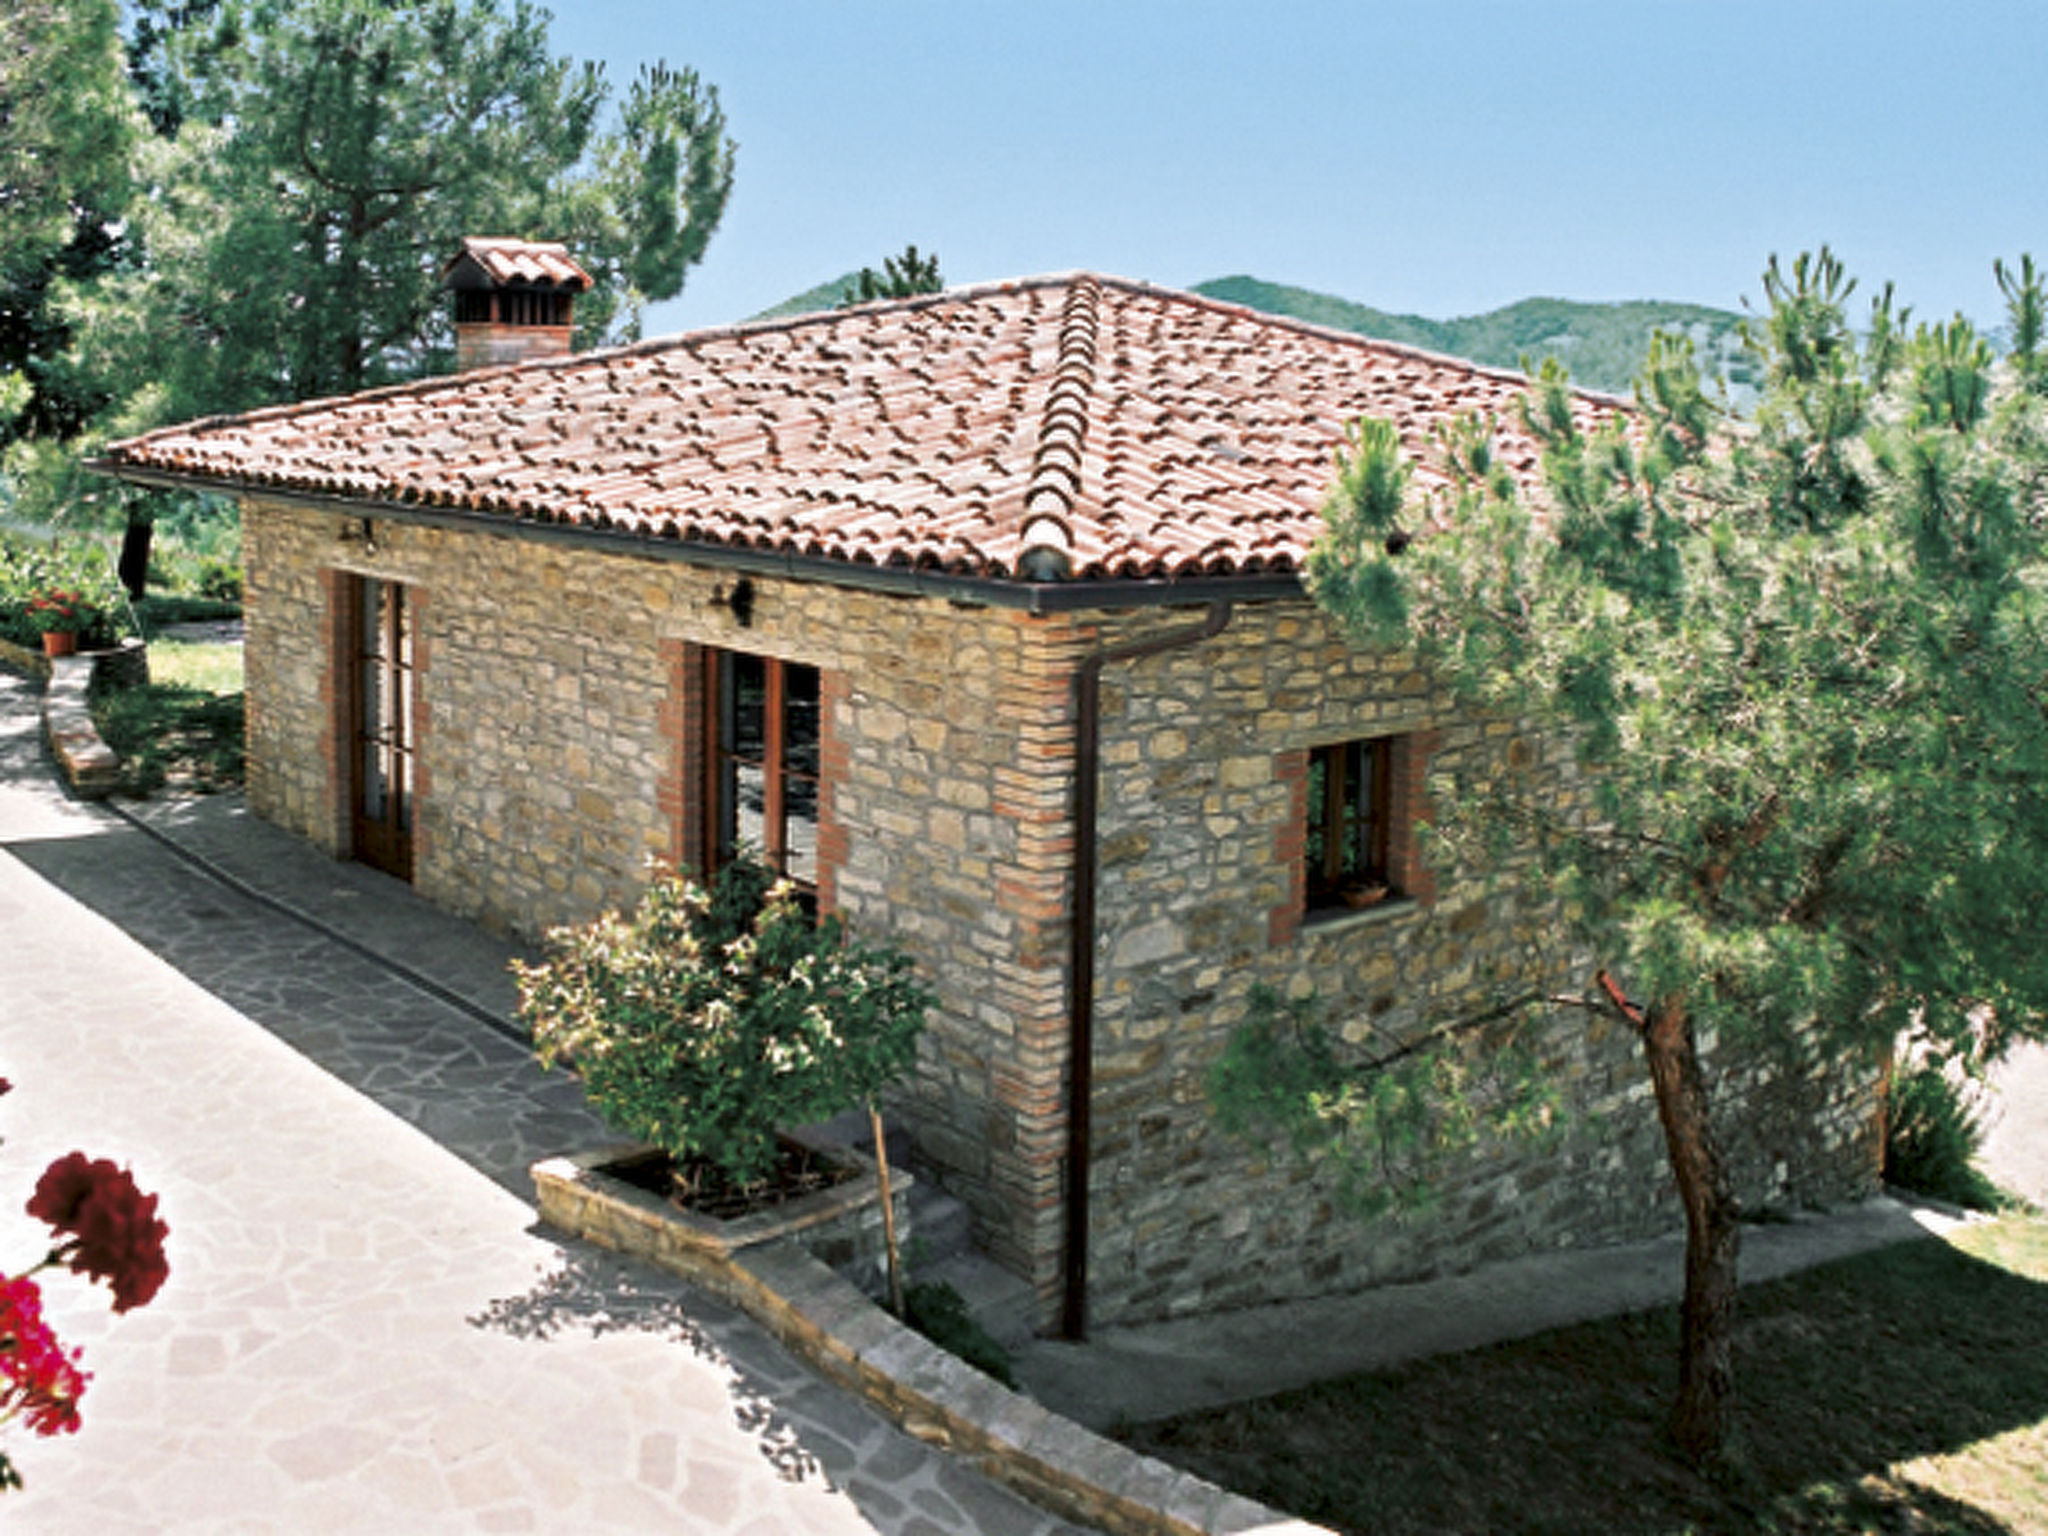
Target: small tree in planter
x: 715, y: 1017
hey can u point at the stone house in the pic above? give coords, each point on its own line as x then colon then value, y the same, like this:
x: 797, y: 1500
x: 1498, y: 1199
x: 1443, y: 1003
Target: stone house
x: 981, y: 613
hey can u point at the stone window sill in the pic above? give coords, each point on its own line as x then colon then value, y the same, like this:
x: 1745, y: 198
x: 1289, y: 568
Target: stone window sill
x: 1329, y: 920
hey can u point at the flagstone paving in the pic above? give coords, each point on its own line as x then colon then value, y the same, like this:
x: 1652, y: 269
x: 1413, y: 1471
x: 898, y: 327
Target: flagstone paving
x: 364, y: 1327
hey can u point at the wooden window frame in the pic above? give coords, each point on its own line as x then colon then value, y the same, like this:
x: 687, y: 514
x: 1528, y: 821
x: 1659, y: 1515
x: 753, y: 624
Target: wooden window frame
x: 722, y: 762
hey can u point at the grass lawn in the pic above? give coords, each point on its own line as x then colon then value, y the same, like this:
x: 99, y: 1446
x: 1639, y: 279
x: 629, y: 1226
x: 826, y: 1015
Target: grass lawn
x: 1905, y: 1390
x: 183, y: 731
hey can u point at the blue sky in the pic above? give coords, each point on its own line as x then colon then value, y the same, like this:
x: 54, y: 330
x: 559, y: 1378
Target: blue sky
x: 1440, y: 159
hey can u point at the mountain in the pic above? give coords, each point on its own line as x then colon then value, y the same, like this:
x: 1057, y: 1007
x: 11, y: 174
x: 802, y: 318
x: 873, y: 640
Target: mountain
x: 1602, y: 344
x: 824, y: 296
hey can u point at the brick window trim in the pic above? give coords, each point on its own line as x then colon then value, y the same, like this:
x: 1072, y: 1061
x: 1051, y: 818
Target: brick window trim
x: 337, y: 615
x: 1407, y: 810
x: 420, y: 600
x: 680, y: 790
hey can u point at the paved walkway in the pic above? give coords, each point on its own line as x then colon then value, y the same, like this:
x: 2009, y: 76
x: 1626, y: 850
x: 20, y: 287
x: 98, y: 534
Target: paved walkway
x: 363, y: 1328
x: 1130, y: 1375
x: 2016, y: 1148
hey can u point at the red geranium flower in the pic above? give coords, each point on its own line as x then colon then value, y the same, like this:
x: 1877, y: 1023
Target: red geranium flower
x: 38, y: 1379
x: 115, y: 1232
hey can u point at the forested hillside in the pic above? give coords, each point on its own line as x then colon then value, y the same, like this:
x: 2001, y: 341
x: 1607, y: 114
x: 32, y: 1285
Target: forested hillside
x: 1602, y: 344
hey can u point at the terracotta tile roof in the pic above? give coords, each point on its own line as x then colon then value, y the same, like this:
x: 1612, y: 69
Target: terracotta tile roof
x: 529, y: 263
x: 1146, y: 432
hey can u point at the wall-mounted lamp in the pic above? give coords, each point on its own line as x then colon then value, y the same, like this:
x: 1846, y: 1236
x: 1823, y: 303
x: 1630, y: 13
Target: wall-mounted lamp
x: 360, y: 530
x: 739, y: 599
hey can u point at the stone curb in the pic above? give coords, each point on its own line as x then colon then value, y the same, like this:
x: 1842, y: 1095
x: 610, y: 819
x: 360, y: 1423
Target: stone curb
x: 88, y: 764
x: 943, y: 1401
x: 830, y: 1323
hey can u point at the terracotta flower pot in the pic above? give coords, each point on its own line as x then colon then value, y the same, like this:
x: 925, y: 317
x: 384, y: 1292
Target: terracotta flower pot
x: 59, y: 642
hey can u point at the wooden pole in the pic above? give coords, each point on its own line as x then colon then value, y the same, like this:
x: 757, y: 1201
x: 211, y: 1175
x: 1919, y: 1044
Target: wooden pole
x: 888, y: 1211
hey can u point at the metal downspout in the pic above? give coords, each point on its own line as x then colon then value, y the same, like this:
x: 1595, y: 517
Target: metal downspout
x: 1081, y: 942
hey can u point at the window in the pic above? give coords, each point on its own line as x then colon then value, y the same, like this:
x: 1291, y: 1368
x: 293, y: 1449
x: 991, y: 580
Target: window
x: 1348, y: 847
x: 382, y: 688
x: 764, y: 762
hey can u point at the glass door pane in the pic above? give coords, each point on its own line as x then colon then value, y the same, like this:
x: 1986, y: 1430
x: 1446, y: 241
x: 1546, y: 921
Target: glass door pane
x: 382, y: 686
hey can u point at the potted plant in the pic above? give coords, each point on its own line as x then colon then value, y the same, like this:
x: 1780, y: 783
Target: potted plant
x: 61, y: 613
x: 1358, y: 894
x: 716, y: 1017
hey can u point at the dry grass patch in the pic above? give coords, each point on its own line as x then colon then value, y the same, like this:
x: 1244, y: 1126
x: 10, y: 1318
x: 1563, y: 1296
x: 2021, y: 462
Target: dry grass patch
x: 1905, y: 1390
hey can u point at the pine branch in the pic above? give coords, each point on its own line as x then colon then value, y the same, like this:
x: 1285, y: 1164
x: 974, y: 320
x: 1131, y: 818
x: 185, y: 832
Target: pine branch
x: 1451, y: 1029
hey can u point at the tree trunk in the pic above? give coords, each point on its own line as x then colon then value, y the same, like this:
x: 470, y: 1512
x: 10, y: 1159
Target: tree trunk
x: 133, y: 567
x: 1703, y: 1417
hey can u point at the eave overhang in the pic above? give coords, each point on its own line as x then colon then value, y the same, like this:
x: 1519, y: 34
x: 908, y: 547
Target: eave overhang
x: 1033, y: 597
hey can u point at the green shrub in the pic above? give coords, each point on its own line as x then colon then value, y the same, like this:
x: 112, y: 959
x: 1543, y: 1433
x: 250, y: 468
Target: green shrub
x: 161, y: 608
x: 30, y: 569
x: 712, y: 1018
x: 220, y: 580
x: 940, y: 1313
x: 1933, y: 1132
x: 190, y: 573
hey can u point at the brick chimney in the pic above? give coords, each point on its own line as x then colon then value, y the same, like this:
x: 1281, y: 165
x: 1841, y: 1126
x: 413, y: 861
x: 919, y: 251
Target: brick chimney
x: 514, y: 300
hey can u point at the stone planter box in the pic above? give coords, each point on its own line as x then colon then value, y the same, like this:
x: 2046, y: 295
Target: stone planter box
x: 769, y: 1266
x: 840, y: 1226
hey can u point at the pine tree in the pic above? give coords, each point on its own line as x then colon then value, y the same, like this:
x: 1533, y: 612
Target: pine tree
x: 331, y: 153
x: 66, y: 123
x: 901, y: 277
x: 314, y: 163
x: 1801, y: 660
x: 67, y: 129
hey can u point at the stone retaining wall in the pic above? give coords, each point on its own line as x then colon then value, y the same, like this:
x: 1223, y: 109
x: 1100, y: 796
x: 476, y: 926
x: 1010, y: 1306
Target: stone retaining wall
x: 841, y: 1226
x: 945, y: 1402
x: 88, y: 764
x: 23, y: 659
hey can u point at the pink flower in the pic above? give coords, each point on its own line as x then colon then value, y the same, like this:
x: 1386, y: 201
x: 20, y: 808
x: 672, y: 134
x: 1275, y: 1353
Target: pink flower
x: 38, y: 1379
x: 115, y: 1233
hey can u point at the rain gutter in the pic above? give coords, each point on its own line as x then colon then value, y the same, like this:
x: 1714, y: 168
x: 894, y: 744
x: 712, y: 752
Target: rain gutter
x: 1087, y: 691
x: 1033, y: 597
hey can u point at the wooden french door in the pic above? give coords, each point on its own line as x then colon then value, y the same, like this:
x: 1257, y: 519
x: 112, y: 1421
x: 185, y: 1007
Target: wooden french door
x: 381, y: 692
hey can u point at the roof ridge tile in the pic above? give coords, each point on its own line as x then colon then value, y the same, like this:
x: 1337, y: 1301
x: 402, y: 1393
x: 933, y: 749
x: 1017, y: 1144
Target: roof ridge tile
x: 1045, y: 545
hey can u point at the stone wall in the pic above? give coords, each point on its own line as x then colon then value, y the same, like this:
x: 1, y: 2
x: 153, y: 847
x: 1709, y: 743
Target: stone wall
x: 1201, y: 898
x: 556, y: 761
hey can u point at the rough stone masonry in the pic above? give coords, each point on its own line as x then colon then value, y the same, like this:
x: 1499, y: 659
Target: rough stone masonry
x: 552, y: 721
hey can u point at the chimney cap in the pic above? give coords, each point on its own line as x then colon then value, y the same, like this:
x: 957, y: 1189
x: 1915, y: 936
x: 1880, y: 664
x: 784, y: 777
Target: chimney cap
x: 492, y: 262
